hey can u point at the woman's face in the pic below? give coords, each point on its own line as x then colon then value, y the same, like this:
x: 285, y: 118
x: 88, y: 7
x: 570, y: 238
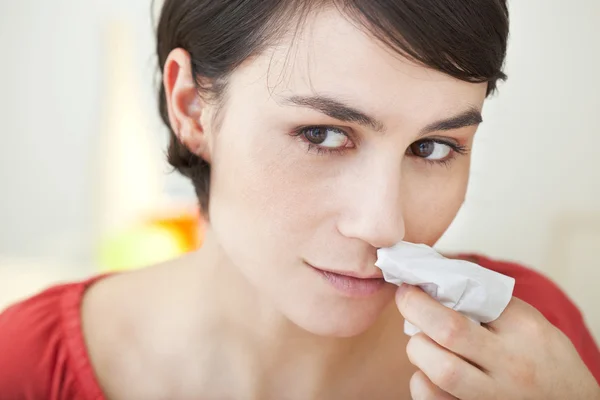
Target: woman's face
x: 329, y: 148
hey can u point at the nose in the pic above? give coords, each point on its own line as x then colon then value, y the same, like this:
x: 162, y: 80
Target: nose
x: 373, y: 211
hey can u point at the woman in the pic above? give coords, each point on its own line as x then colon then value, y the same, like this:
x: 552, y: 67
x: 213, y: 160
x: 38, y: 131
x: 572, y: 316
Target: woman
x: 320, y: 131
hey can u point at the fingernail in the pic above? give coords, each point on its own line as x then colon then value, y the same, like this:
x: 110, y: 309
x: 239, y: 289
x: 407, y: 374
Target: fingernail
x: 402, y: 289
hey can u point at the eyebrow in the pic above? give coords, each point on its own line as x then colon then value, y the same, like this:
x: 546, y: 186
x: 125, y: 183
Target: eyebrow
x: 343, y: 112
x: 470, y: 117
x: 337, y: 110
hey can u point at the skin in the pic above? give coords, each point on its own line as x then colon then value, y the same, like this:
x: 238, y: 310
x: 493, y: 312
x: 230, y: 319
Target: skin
x: 249, y: 318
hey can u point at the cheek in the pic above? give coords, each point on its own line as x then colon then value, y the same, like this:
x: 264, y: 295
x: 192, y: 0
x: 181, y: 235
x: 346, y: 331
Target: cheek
x: 431, y: 203
x: 261, y: 188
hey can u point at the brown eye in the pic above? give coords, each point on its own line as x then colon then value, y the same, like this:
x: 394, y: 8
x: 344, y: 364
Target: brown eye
x: 430, y: 150
x: 423, y: 148
x: 316, y: 135
x: 326, y: 137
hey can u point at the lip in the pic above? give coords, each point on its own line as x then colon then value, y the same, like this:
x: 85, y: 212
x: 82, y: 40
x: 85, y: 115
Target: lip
x: 350, y: 274
x: 350, y: 283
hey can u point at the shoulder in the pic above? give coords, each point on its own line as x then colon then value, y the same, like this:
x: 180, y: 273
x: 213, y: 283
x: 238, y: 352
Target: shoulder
x: 41, y: 345
x: 121, y: 318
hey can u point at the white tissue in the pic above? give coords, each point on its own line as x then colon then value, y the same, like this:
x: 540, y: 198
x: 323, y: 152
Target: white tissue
x: 478, y: 293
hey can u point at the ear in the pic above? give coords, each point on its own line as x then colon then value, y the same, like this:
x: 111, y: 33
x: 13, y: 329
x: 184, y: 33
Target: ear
x: 185, y: 106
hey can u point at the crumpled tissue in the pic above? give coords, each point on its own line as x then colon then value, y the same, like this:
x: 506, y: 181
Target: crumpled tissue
x: 478, y: 293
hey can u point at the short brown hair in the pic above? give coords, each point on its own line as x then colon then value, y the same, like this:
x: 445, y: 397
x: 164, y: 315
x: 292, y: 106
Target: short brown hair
x: 465, y: 39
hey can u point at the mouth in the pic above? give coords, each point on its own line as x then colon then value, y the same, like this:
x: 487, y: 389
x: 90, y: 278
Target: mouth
x: 351, y: 283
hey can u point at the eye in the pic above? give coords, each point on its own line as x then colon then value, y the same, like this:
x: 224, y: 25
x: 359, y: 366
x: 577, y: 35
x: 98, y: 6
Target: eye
x: 431, y: 149
x: 328, y: 137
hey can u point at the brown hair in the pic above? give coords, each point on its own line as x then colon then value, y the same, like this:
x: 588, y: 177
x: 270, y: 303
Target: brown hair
x: 465, y: 39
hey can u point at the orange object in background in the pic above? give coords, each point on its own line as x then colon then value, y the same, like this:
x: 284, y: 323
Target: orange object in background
x: 167, y: 235
x: 186, y: 226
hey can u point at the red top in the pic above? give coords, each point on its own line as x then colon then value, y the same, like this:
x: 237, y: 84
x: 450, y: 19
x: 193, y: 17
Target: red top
x: 43, y: 353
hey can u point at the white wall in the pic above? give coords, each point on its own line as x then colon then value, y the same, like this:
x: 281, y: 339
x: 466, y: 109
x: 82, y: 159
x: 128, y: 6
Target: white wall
x: 51, y: 106
x: 535, y: 164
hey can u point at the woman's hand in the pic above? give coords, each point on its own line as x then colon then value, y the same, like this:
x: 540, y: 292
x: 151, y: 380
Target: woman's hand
x: 519, y: 356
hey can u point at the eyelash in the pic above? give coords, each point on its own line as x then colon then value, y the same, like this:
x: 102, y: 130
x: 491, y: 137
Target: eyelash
x: 320, y: 150
x: 457, y: 149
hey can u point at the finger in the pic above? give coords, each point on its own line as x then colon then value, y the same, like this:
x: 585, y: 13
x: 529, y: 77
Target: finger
x: 517, y: 316
x: 446, y: 370
x: 421, y: 388
x: 449, y: 328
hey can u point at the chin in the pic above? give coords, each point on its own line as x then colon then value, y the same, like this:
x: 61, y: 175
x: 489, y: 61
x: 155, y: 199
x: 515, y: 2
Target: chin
x: 340, y: 321
x: 338, y: 329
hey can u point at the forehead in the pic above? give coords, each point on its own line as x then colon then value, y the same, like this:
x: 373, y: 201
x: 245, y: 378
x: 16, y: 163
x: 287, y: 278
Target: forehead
x: 331, y: 55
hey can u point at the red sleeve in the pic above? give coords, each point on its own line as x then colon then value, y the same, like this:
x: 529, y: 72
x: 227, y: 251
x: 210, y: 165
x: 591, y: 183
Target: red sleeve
x: 36, y: 358
x: 539, y: 291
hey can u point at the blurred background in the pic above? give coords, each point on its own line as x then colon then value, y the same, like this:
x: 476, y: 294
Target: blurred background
x: 84, y: 184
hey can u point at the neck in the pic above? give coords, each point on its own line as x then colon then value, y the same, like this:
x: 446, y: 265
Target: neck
x: 267, y: 353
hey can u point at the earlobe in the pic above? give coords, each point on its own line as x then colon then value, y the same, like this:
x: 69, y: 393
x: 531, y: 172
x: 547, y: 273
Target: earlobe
x: 193, y: 136
x: 184, y: 103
